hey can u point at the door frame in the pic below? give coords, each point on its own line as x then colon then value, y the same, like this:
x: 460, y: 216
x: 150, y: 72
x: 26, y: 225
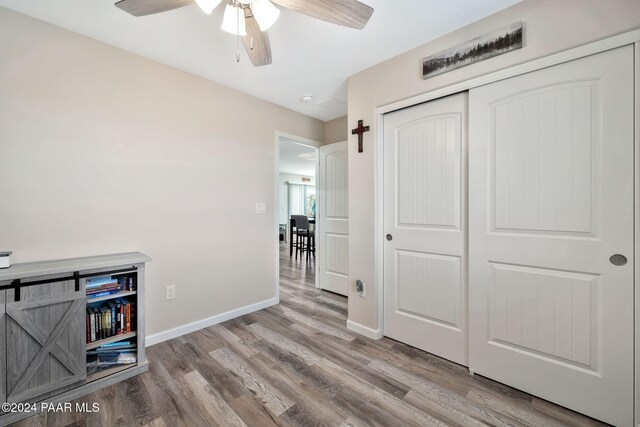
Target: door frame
x: 624, y: 39
x: 278, y: 135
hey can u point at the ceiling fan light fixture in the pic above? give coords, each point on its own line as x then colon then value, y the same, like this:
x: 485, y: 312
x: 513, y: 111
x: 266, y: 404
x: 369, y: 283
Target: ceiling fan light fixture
x: 233, y: 21
x: 207, y: 6
x: 265, y: 13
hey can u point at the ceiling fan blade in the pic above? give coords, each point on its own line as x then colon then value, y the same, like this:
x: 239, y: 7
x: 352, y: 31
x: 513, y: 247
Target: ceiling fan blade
x: 256, y: 42
x: 149, y: 7
x: 348, y: 13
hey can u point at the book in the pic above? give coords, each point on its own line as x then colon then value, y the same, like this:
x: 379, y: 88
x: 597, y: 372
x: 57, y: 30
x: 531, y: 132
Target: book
x: 128, y: 317
x: 106, y: 324
x: 92, y: 281
x: 88, y: 327
x: 102, y: 294
x: 92, y: 325
x: 102, y: 289
x: 112, y: 350
x: 112, y: 323
x: 95, y: 331
x: 133, y: 316
x: 117, y: 344
x: 106, y: 327
x: 124, y: 317
x: 118, y: 317
x: 127, y: 358
x: 99, y: 281
x: 104, y: 286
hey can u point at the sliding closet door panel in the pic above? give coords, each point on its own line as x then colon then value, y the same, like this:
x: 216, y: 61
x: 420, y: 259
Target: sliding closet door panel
x: 425, y: 258
x: 46, y: 349
x: 551, y: 200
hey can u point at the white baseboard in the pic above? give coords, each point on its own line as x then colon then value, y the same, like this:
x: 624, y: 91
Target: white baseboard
x: 374, y: 334
x: 205, y: 323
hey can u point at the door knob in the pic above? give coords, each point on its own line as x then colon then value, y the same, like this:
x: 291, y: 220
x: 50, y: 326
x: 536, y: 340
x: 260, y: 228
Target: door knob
x: 389, y: 237
x: 618, y: 260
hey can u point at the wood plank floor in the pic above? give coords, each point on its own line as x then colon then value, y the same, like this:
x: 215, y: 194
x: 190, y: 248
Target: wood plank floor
x: 296, y: 364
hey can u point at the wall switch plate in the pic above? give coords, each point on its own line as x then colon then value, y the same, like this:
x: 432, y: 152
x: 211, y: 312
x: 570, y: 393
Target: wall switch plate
x: 261, y: 208
x: 170, y: 292
x: 361, y: 288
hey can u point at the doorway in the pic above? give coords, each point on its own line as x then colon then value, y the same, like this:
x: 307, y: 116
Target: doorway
x: 297, y: 171
x: 311, y: 181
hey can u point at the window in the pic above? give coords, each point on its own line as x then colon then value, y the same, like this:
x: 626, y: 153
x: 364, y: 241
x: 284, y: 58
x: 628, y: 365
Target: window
x: 302, y: 200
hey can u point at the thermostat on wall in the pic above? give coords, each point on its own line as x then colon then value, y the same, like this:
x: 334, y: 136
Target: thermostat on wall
x: 5, y: 259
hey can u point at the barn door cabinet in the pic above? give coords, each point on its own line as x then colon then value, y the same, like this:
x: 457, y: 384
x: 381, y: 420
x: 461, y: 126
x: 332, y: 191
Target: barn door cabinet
x: 45, y: 343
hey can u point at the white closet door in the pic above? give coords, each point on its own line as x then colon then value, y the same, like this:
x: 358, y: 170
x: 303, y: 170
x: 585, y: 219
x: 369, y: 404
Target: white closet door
x: 425, y: 218
x: 332, y: 233
x: 551, y: 200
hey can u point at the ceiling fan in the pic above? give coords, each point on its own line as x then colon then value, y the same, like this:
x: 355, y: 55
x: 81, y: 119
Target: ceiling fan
x: 250, y: 19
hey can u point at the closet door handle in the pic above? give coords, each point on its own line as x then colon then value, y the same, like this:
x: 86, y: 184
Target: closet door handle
x: 618, y: 260
x: 389, y: 237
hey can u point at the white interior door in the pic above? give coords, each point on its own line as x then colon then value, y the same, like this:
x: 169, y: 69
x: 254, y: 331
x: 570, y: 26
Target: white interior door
x: 551, y: 200
x: 425, y: 225
x: 332, y: 235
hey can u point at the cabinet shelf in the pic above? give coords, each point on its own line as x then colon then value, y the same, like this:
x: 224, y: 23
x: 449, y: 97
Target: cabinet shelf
x: 115, y: 338
x: 109, y: 371
x: 120, y: 294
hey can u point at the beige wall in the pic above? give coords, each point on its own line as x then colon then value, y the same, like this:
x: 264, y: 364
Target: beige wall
x: 336, y: 130
x: 551, y: 26
x: 103, y: 151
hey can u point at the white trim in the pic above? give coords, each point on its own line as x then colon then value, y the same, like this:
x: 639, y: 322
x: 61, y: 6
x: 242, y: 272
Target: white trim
x: 378, y: 185
x: 299, y: 139
x: 624, y: 39
x: 276, y: 215
x: 637, y: 235
x: 317, y: 227
x: 205, y: 323
x: 374, y: 334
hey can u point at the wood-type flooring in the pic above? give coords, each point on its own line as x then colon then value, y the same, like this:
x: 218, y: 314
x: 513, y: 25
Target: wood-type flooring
x: 296, y: 364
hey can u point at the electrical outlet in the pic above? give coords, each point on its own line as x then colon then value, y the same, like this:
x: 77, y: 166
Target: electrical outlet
x: 261, y: 208
x: 361, y: 288
x: 170, y: 292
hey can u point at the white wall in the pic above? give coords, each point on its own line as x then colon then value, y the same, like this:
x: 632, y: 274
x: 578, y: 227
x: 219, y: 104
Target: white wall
x: 284, y: 192
x: 551, y: 26
x: 103, y: 151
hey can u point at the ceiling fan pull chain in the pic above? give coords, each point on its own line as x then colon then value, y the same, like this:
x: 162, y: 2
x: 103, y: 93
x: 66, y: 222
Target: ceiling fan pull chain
x: 251, y: 41
x: 238, y: 32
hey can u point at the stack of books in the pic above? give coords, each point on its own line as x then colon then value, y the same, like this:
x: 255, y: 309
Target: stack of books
x: 126, y: 283
x: 101, y: 286
x: 114, y: 317
x: 108, y: 355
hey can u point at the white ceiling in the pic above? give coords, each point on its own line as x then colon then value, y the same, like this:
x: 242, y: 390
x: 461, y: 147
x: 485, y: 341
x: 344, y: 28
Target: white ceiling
x: 309, y: 56
x: 297, y: 159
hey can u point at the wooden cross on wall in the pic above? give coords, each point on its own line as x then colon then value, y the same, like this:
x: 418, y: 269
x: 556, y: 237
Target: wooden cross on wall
x: 360, y: 130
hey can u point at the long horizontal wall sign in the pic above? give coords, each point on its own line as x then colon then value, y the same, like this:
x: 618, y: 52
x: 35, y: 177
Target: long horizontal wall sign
x: 476, y: 50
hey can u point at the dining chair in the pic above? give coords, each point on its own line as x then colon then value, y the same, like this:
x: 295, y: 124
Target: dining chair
x: 302, y: 233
